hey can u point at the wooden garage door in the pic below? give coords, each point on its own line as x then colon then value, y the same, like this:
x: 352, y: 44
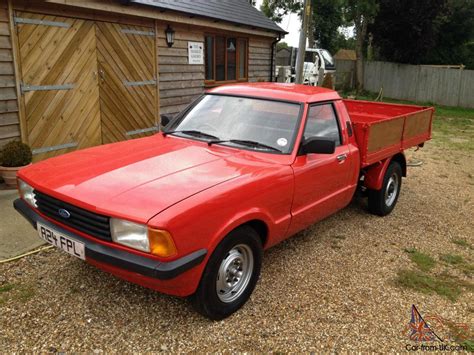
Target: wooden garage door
x: 59, y: 83
x: 128, y: 91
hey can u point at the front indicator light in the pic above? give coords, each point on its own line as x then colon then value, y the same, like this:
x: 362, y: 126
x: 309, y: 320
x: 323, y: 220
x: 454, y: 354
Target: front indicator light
x: 161, y: 243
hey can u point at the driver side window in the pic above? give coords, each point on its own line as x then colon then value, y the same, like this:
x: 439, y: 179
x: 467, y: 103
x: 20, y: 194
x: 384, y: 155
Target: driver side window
x: 322, y: 123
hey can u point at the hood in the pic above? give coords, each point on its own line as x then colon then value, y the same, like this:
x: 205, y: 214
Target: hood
x: 135, y: 179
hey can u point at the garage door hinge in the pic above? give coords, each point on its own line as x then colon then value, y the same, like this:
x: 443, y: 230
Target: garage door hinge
x: 53, y: 148
x: 139, y: 131
x: 31, y: 21
x: 139, y: 83
x: 136, y: 32
x: 27, y: 87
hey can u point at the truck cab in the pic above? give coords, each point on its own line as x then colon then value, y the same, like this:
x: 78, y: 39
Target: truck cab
x: 316, y: 60
x: 322, y: 62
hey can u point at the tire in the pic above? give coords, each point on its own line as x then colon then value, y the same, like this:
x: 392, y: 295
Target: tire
x: 383, y: 201
x: 240, y: 251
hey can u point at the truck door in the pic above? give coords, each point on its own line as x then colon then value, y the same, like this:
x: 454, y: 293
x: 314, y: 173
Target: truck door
x: 322, y: 181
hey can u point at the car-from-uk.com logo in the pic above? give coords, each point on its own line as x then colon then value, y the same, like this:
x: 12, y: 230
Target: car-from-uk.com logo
x: 441, y: 334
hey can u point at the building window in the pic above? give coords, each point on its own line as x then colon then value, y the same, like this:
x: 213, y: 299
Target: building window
x: 226, y: 58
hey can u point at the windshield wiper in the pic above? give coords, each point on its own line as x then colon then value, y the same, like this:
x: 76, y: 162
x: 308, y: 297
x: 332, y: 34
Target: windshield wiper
x: 247, y: 143
x: 194, y: 133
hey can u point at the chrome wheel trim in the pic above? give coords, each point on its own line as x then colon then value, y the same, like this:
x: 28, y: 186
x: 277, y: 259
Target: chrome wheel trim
x: 234, y: 273
x: 391, y: 190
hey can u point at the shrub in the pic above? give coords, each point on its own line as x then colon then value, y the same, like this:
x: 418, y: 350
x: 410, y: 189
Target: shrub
x: 15, y: 154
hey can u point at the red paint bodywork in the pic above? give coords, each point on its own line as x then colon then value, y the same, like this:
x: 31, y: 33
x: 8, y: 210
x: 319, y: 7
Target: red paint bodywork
x: 200, y: 193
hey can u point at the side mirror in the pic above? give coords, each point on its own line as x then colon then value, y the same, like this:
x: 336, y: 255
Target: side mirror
x: 318, y: 146
x: 165, y: 120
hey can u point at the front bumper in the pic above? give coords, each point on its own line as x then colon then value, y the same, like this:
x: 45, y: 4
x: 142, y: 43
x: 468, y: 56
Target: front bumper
x: 117, y: 258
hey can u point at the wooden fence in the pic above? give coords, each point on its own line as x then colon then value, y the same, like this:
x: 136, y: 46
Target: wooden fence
x: 345, y: 74
x: 439, y: 85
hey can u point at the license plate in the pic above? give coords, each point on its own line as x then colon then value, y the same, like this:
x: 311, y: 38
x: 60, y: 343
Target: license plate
x: 61, y: 241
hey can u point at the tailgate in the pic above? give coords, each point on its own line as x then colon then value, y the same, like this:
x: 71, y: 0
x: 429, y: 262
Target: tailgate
x: 383, y: 130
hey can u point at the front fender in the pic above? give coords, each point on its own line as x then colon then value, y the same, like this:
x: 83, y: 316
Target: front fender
x: 204, y: 219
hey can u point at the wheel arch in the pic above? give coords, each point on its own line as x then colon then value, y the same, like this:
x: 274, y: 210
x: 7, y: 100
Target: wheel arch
x: 258, y: 222
x: 260, y: 227
x: 374, y: 174
x: 401, y: 159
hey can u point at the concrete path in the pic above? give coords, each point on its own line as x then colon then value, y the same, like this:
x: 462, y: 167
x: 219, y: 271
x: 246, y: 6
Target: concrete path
x: 17, y: 236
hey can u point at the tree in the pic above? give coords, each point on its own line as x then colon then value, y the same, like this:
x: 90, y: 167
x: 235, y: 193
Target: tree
x: 360, y: 13
x: 325, y: 21
x: 407, y: 38
x: 327, y: 18
x: 430, y: 32
x: 282, y: 45
x: 276, y: 9
x: 341, y: 42
x: 455, y: 38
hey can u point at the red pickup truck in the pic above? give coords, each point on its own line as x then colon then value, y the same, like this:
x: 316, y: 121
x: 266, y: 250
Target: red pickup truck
x: 188, y: 211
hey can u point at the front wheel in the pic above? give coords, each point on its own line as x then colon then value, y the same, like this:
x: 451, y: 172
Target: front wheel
x: 230, y: 275
x: 383, y: 201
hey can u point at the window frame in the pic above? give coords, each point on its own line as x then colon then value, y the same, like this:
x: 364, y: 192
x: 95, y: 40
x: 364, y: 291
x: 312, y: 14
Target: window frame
x: 226, y: 36
x: 336, y: 116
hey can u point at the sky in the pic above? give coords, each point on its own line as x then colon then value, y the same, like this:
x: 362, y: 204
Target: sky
x: 290, y: 23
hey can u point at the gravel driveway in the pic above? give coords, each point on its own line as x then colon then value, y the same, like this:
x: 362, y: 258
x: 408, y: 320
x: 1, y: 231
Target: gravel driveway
x: 330, y: 288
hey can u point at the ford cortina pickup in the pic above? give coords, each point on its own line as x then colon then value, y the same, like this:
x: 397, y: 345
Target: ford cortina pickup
x: 189, y: 210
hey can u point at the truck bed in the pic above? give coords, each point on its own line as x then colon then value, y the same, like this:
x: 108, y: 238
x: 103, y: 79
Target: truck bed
x: 383, y: 130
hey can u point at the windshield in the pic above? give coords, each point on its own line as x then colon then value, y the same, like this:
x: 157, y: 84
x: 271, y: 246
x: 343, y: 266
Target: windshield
x: 257, y: 124
x: 328, y: 60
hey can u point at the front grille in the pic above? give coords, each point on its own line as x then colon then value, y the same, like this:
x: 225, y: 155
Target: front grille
x: 91, y: 223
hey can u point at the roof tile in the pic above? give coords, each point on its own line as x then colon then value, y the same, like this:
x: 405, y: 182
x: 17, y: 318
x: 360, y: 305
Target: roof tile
x: 235, y: 11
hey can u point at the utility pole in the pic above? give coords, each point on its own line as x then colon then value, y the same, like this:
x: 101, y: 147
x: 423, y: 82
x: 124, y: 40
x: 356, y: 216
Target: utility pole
x: 302, y: 44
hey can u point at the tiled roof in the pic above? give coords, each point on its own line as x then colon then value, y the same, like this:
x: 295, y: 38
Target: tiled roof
x: 235, y: 11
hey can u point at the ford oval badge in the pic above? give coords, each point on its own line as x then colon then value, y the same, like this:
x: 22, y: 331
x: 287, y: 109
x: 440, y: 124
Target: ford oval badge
x: 64, y: 213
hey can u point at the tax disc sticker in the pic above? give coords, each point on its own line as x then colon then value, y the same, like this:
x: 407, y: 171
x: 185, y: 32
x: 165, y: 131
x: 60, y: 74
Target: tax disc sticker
x: 282, y: 142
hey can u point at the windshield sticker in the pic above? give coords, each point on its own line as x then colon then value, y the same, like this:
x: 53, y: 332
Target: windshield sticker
x: 282, y: 142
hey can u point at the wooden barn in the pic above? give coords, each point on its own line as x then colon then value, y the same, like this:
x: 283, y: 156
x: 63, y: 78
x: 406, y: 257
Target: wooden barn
x: 78, y: 73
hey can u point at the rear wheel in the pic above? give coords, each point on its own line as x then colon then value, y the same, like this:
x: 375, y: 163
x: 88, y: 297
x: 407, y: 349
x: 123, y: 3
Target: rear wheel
x: 230, y: 275
x: 383, y: 201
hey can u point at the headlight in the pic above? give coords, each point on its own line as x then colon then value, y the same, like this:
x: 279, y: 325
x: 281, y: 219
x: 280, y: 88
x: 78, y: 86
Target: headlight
x: 26, y: 193
x: 130, y: 234
x: 139, y: 236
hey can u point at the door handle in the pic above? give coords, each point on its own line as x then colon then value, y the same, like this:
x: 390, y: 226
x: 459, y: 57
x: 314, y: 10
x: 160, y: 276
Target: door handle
x: 341, y: 158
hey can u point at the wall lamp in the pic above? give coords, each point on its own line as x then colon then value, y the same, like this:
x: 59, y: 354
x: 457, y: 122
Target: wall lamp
x: 169, y: 36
